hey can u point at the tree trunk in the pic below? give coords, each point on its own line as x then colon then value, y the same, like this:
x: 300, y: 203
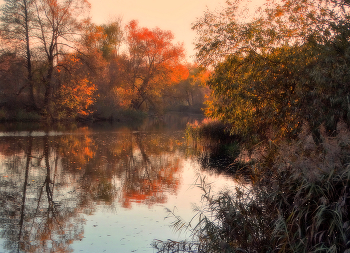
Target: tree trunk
x: 48, y: 88
x: 29, y: 60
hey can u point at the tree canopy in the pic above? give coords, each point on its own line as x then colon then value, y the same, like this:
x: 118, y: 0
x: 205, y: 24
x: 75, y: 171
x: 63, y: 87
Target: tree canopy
x: 152, y: 63
x: 286, y: 67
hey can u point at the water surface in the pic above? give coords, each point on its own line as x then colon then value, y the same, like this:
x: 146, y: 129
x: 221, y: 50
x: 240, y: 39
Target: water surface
x: 97, y: 188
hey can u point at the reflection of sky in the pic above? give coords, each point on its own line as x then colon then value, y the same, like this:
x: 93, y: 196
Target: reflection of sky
x: 127, y: 230
x: 133, y: 230
x: 120, y: 229
x: 30, y: 133
x: 148, y: 170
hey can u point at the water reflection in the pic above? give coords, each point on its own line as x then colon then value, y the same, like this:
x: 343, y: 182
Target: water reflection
x: 49, y: 179
x: 38, y: 214
x: 52, y: 180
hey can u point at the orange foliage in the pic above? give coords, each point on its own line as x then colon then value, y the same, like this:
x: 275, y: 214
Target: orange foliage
x: 93, y: 37
x: 78, y: 149
x: 124, y: 96
x: 75, y: 95
x: 153, y: 62
x: 151, y: 190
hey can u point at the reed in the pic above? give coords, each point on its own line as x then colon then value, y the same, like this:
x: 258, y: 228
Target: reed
x: 209, y: 129
x: 297, y: 201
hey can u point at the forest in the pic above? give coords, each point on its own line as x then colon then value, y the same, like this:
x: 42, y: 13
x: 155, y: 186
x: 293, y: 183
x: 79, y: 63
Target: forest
x: 55, y: 64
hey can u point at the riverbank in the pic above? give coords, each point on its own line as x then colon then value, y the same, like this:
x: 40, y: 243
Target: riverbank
x: 296, y: 199
x: 121, y: 115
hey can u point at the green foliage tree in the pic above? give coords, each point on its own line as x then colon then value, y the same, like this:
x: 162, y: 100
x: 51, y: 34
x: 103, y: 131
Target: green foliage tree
x: 100, y: 54
x: 283, y: 68
x: 112, y: 39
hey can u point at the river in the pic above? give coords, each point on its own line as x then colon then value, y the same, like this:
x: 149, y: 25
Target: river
x: 98, y: 188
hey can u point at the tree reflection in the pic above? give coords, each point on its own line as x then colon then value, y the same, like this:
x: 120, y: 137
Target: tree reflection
x: 28, y: 159
x: 35, y: 218
x: 147, y: 178
x: 48, y: 182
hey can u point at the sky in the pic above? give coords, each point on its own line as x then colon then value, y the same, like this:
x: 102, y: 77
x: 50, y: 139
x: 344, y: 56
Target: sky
x: 174, y: 15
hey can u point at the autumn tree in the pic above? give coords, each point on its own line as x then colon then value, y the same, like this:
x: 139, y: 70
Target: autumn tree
x: 99, y: 51
x: 277, y: 23
x: 58, y: 26
x: 75, y: 95
x: 256, y: 92
x: 283, y: 68
x: 190, y: 92
x: 152, y: 63
x: 42, y: 31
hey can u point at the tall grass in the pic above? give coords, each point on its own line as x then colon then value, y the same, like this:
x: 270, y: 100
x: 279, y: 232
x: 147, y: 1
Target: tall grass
x: 298, y: 201
x: 209, y: 129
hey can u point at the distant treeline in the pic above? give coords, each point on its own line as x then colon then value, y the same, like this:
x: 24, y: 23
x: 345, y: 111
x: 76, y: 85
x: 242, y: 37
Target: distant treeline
x: 56, y: 65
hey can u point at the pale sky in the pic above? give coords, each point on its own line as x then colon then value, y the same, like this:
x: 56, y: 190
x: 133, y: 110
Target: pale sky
x: 174, y: 15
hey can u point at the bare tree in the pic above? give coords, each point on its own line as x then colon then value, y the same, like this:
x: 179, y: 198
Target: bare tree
x: 17, y: 18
